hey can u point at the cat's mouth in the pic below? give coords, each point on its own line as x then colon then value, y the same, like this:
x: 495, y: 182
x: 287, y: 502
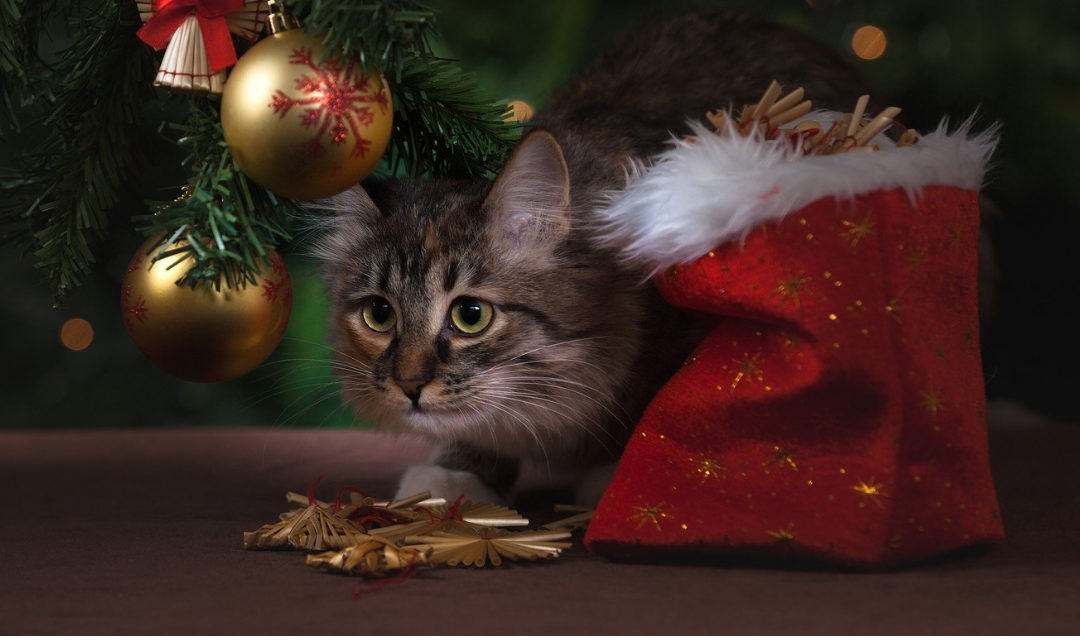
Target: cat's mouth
x: 430, y: 410
x: 435, y: 419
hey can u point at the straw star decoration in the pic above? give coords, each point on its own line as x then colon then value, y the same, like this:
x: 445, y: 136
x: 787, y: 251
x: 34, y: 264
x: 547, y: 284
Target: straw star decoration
x: 488, y: 544
x: 419, y: 532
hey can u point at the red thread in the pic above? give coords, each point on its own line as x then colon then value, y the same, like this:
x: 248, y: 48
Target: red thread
x: 342, y: 492
x: 311, y: 491
x: 362, y: 588
x: 376, y: 585
x: 377, y: 519
x: 187, y: 75
x: 453, y: 513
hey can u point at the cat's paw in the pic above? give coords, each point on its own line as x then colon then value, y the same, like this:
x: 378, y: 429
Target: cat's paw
x: 444, y: 483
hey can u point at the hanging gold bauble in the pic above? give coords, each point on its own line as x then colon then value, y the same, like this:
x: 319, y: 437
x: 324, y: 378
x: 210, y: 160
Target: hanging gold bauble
x: 197, y: 335
x: 303, y: 129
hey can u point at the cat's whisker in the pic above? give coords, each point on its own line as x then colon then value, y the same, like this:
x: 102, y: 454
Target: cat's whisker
x: 587, y: 392
x: 516, y: 360
x: 546, y: 404
x: 517, y: 416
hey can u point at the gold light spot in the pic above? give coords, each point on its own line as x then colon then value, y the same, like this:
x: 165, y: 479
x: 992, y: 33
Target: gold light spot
x: 932, y: 399
x: 782, y: 456
x: 520, y: 111
x: 832, y: 316
x: 858, y: 231
x: 706, y: 466
x: 868, y: 42
x: 747, y: 367
x: 791, y: 286
x: 650, y: 513
x: 872, y: 490
x: 76, y: 334
x: 783, y: 534
x: 891, y: 308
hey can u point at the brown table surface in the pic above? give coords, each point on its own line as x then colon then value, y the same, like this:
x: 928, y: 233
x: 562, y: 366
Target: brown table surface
x: 139, y: 531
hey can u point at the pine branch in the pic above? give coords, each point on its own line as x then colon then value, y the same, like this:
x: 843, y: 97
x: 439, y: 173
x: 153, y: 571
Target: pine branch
x: 384, y: 34
x: 230, y: 223
x: 443, y: 124
x: 21, y: 24
x: 85, y: 146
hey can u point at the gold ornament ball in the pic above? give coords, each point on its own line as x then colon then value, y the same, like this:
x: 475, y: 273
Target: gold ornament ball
x: 197, y: 335
x: 302, y: 129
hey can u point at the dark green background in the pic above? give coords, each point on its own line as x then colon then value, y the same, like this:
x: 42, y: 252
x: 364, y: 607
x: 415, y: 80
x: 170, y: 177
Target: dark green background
x: 1017, y: 63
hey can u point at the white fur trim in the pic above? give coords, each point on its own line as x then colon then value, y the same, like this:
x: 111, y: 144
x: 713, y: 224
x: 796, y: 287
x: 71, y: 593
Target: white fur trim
x: 697, y: 196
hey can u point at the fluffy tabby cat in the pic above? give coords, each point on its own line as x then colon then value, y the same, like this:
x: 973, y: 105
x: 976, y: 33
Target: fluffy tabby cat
x: 486, y: 315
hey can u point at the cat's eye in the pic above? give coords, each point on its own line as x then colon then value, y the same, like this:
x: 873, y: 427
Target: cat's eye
x: 378, y: 314
x: 471, y: 316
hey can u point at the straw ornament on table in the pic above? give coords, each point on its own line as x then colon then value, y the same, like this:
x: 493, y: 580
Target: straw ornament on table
x: 370, y: 538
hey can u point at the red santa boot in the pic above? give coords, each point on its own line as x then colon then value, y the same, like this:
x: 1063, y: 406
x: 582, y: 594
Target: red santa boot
x: 836, y: 411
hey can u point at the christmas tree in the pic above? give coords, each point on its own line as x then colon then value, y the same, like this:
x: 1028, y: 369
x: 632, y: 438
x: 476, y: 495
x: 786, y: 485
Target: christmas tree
x: 78, y: 120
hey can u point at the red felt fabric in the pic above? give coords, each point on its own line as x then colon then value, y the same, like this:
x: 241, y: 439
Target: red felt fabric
x: 836, y: 411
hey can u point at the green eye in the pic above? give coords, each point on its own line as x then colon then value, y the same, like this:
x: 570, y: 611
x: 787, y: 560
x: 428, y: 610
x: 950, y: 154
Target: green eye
x: 378, y: 314
x: 471, y: 316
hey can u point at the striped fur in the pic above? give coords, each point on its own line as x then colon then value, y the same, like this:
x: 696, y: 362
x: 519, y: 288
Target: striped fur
x: 579, y: 342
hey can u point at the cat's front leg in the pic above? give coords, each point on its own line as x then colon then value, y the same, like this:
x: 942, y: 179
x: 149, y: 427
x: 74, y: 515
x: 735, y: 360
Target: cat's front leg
x: 454, y: 471
x: 445, y: 483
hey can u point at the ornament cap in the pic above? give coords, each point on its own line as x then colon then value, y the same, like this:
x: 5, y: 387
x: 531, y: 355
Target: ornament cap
x: 278, y: 19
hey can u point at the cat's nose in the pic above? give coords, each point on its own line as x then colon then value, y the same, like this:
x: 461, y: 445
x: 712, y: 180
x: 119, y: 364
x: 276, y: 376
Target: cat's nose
x: 412, y: 387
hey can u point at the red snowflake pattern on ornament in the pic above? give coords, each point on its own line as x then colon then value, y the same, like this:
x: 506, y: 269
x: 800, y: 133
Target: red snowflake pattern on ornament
x: 138, y: 310
x: 336, y: 98
x: 271, y: 288
x: 277, y: 265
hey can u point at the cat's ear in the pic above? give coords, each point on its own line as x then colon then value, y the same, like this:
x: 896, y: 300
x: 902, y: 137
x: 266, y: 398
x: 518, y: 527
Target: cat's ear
x: 341, y: 222
x: 355, y: 203
x: 529, y: 204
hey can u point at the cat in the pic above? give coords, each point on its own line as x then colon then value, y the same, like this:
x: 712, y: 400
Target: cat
x: 487, y: 315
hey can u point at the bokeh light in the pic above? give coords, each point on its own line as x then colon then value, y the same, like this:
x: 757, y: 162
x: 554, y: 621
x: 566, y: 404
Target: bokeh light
x: 868, y: 42
x: 521, y: 111
x: 77, y: 334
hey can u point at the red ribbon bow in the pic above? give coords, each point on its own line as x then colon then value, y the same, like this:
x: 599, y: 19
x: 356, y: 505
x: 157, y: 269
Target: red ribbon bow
x: 170, y: 14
